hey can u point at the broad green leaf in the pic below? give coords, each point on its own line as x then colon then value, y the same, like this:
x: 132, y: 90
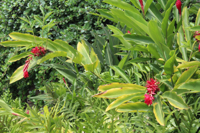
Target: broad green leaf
x: 125, y: 98
x: 138, y: 59
x: 25, y: 37
x: 108, y: 55
x: 121, y: 73
x: 122, y: 5
x: 183, y: 91
x: 162, y: 3
x: 123, y: 62
x: 185, y: 76
x: 138, y: 48
x: 158, y: 112
x: 170, y: 34
x: 133, y: 107
x: 193, y: 84
x: 137, y: 21
x: 152, y: 49
x: 169, y: 65
x: 119, y: 35
x: 147, y: 5
x: 16, y: 43
x: 165, y: 20
x: 119, y: 85
x: 188, y: 64
x: 185, y: 22
x: 195, y: 28
x: 90, y: 60
x: 138, y: 39
x: 18, y: 74
x: 136, y: 3
x: 155, y: 13
x: 197, y: 22
x: 67, y: 74
x: 175, y: 100
x: 18, y: 57
x: 5, y: 106
x: 180, y: 40
x: 117, y: 92
x: 52, y: 55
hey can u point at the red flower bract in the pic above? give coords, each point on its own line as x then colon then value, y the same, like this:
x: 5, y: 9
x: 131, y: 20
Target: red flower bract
x: 148, y: 99
x: 38, y: 51
x: 178, y: 6
x: 142, y: 6
x: 199, y: 47
x: 129, y: 32
x: 25, y: 69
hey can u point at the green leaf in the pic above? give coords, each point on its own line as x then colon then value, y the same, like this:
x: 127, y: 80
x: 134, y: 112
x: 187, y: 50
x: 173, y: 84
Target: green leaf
x: 123, y: 62
x: 18, y: 57
x: 47, y: 15
x: 169, y: 65
x: 165, y: 20
x: 67, y: 74
x: 5, y: 106
x: 197, y: 22
x: 24, y: 19
x: 175, y: 100
x: 152, y: 49
x: 155, y: 12
x: 180, y: 40
x: 138, y: 39
x: 117, y: 92
x: 108, y: 56
x: 124, y: 99
x: 52, y: 55
x: 133, y: 107
x: 121, y: 73
x: 195, y: 28
x: 188, y: 64
x: 16, y: 43
x: 186, y: 76
x: 185, y: 22
x: 25, y: 37
x: 138, y: 59
x: 147, y: 5
x: 38, y: 20
x: 18, y: 74
x: 119, y: 85
x: 193, y: 84
x: 158, y: 112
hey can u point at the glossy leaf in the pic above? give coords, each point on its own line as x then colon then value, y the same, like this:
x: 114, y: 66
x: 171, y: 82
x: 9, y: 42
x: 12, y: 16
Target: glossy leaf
x: 175, y: 100
x: 169, y: 65
x: 16, y: 43
x: 197, y: 22
x: 125, y: 98
x: 193, y: 84
x: 188, y: 64
x: 5, y: 106
x: 133, y: 107
x: 180, y: 40
x: 117, y: 92
x: 138, y: 39
x: 121, y: 73
x: 147, y: 5
x: 20, y: 56
x: 158, y: 112
x: 185, y: 76
x: 119, y: 85
x: 71, y: 76
x: 52, y: 55
x: 195, y: 28
x: 185, y: 22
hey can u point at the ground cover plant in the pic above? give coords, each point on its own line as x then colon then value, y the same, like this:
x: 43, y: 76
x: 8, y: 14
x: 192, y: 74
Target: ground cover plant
x: 147, y: 70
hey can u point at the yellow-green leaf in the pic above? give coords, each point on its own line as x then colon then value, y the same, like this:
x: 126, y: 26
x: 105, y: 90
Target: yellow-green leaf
x: 52, y: 55
x: 193, y: 84
x: 116, y: 92
x: 175, y: 100
x: 134, y: 107
x: 18, y: 57
x: 125, y: 98
x: 188, y: 64
x: 119, y: 85
x: 16, y: 43
x: 158, y: 112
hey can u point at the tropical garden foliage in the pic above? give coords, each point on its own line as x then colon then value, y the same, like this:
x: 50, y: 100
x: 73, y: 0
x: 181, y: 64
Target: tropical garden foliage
x: 140, y: 75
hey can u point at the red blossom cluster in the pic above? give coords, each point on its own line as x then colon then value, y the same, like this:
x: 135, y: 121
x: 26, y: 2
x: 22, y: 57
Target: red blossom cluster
x: 129, y: 32
x: 152, y: 89
x: 142, y: 6
x: 25, y: 69
x: 178, y: 6
x: 38, y: 51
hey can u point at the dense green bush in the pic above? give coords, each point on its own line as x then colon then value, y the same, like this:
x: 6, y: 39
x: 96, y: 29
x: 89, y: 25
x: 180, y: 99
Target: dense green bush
x: 73, y: 22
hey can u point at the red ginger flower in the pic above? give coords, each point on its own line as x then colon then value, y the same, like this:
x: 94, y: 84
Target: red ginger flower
x: 129, y: 32
x: 148, y: 99
x: 25, y: 69
x: 152, y: 86
x: 142, y: 6
x: 15, y: 114
x: 64, y: 80
x: 38, y: 51
x: 199, y: 47
x: 27, y: 112
x: 178, y: 5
